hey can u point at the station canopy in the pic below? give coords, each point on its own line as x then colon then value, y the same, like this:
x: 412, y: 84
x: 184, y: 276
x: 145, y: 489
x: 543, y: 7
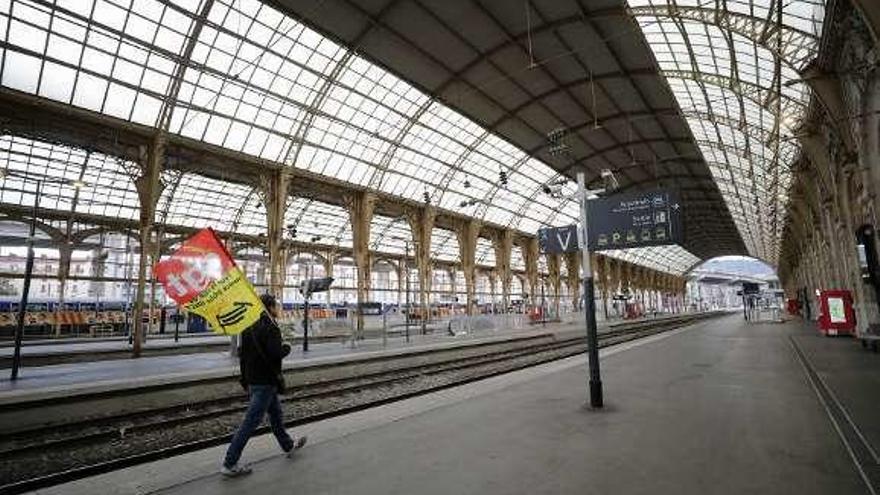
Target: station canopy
x: 445, y: 102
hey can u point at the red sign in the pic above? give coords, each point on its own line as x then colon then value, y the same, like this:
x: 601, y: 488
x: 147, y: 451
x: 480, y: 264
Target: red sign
x: 199, y: 262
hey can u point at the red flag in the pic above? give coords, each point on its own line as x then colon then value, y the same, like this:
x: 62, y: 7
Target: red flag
x: 202, y: 277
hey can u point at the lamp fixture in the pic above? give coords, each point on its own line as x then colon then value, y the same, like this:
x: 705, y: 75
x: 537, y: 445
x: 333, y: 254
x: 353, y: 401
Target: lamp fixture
x: 554, y: 188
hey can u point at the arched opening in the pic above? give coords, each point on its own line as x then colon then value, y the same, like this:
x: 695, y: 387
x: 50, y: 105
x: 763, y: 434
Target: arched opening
x: 13, y: 254
x: 254, y: 262
x: 717, y: 283
x: 103, y: 268
x: 345, y: 281
x: 300, y: 267
x: 442, y: 286
x: 484, y: 291
x: 517, y: 291
x: 81, y: 286
x: 384, y: 287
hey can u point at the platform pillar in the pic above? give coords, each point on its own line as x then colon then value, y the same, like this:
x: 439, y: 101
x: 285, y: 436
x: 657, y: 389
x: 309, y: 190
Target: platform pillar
x: 402, y: 265
x: 361, y: 206
x: 628, y: 270
x: 329, y: 262
x: 149, y: 188
x: 503, y: 246
x: 845, y: 207
x: 553, y: 268
x: 275, y: 193
x: 421, y: 224
x: 150, y: 164
x: 681, y: 290
x: 572, y: 279
x: 530, y: 252
x: 614, y: 276
x: 601, y: 277
x: 467, y: 233
x: 65, y: 252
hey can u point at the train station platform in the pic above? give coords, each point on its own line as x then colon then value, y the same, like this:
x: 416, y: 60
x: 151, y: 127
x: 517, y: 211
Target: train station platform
x: 82, y: 346
x: 718, y: 407
x: 41, y: 382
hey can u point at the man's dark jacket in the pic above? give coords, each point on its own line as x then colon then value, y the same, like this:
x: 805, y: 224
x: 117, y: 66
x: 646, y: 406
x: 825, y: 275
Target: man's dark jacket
x: 262, y: 366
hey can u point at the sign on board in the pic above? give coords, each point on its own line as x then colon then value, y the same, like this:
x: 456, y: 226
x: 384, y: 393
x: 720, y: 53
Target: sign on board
x: 557, y: 240
x: 836, y: 310
x: 633, y: 220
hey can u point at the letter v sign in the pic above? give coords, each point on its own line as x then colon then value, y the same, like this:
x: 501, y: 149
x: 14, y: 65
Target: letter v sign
x: 563, y: 243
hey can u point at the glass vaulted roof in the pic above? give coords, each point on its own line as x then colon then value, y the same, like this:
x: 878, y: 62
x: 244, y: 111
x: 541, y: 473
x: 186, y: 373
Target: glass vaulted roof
x: 261, y: 83
x: 673, y: 259
x: 733, y: 67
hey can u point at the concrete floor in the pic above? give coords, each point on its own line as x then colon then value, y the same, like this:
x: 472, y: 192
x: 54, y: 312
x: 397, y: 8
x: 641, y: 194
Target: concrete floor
x: 721, y: 407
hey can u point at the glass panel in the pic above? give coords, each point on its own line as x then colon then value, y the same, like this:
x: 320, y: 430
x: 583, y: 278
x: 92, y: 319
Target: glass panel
x: 725, y: 84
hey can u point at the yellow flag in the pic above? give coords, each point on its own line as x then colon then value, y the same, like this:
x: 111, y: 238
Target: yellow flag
x: 202, y: 277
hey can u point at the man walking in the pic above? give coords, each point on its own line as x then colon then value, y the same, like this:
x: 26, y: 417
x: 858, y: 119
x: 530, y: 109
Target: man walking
x: 260, y: 361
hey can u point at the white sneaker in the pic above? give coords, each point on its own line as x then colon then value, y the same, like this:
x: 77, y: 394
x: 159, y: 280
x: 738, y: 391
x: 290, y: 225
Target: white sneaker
x: 235, y: 471
x: 299, y: 443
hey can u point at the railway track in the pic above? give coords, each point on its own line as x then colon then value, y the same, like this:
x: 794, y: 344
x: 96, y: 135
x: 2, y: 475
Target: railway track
x: 39, y: 456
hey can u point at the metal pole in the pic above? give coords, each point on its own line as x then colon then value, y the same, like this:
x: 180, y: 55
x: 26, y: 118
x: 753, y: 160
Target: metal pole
x: 425, y: 306
x: 306, y: 323
x: 543, y: 304
x: 384, y: 327
x: 128, y: 269
x: 589, y: 301
x: 306, y: 294
x: 408, y: 308
x: 28, y: 272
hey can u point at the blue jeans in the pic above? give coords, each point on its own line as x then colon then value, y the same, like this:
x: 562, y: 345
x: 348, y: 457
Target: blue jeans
x: 263, y: 399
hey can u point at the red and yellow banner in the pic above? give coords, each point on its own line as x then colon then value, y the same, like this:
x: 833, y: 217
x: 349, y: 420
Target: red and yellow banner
x: 202, y: 277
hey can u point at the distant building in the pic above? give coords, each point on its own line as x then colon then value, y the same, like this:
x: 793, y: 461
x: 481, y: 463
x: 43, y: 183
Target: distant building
x: 110, y: 262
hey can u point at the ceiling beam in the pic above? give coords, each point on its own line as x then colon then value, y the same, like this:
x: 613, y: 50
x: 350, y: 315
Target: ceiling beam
x: 39, y: 118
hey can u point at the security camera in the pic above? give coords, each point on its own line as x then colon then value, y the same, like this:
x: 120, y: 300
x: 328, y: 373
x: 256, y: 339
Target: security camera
x: 554, y: 188
x: 609, y: 179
